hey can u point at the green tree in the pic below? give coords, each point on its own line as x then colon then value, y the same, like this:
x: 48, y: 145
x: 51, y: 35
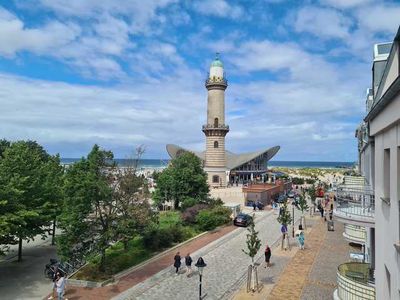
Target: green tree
x: 284, y: 217
x: 89, y: 214
x: 253, y: 243
x: 311, y: 191
x: 24, y: 198
x: 131, y: 200
x: 184, y: 180
x: 303, y: 202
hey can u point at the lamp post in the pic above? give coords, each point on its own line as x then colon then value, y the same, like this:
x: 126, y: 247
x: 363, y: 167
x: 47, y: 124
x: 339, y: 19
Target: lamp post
x: 200, y: 267
x: 292, y: 219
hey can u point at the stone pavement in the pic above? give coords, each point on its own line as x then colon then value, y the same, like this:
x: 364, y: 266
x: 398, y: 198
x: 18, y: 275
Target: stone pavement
x: 25, y: 280
x: 226, y: 264
x: 308, y: 274
x: 268, y: 277
x: 335, y: 250
x: 148, y: 270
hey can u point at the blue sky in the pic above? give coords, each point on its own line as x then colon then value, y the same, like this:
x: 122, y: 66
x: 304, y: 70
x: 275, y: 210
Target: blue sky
x: 124, y: 73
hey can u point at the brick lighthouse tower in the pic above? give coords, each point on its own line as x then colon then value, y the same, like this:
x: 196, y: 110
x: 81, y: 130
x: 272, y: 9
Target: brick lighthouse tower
x: 215, y: 129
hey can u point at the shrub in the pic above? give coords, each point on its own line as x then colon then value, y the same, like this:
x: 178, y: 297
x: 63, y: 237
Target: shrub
x: 188, y: 202
x: 211, y: 218
x: 297, y: 180
x: 190, y: 214
x: 170, y: 218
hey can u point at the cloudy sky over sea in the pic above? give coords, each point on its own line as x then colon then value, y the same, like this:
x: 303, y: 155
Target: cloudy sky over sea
x: 123, y: 73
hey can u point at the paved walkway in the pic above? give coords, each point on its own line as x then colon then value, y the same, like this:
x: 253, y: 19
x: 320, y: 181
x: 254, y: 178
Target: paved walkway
x: 141, y: 274
x: 25, y: 279
x: 308, y: 274
x: 226, y: 264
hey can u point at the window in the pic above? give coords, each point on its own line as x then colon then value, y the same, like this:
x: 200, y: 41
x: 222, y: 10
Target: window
x: 216, y: 122
x: 386, y: 176
x: 215, y: 179
x: 216, y: 144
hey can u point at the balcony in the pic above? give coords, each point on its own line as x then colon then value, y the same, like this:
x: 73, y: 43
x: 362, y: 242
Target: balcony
x: 355, y: 205
x: 355, y: 234
x: 354, y: 283
x: 215, y: 129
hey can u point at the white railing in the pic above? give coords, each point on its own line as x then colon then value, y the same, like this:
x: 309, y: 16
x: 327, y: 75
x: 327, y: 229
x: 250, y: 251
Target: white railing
x: 355, y: 202
x: 353, y: 284
x: 354, y: 233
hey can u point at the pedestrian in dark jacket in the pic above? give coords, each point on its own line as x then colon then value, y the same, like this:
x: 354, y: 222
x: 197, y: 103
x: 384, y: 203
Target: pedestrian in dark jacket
x: 188, y: 263
x: 177, y: 262
x: 267, y: 254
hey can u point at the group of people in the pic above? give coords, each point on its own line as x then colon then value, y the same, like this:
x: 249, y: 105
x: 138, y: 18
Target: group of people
x: 188, y: 263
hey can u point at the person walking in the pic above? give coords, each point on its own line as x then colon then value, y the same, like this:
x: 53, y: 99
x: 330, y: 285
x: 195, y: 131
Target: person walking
x: 188, y: 263
x: 321, y: 210
x: 301, y: 240
x: 267, y: 254
x: 177, y: 262
x: 60, y: 285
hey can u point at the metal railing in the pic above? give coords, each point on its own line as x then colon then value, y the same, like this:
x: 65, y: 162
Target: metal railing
x: 216, y: 126
x: 216, y: 80
x: 355, y: 233
x: 356, y: 200
x: 354, y: 282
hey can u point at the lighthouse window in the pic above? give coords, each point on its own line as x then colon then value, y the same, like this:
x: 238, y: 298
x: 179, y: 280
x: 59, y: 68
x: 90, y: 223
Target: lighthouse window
x: 215, y: 179
x: 216, y: 144
x: 216, y: 122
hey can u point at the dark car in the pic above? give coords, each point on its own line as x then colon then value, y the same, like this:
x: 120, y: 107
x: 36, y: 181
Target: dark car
x: 242, y: 220
x: 282, y: 198
x: 258, y: 204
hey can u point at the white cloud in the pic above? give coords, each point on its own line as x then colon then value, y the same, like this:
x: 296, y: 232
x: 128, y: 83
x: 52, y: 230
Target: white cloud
x: 322, y: 22
x: 380, y: 18
x: 218, y: 8
x: 14, y: 36
x: 345, y: 3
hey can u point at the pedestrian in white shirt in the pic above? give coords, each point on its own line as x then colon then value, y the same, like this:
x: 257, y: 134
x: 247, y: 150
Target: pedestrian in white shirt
x: 60, y: 284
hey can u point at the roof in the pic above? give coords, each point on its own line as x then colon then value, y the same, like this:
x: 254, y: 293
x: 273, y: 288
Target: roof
x: 232, y: 160
x: 389, y: 94
x: 217, y: 63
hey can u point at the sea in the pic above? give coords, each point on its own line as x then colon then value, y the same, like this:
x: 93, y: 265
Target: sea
x: 161, y: 163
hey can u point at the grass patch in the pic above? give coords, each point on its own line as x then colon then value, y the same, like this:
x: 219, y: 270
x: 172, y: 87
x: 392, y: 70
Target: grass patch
x: 117, y: 260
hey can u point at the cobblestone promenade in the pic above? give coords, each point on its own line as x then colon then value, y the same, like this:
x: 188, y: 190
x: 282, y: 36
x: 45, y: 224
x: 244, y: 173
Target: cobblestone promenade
x: 226, y: 264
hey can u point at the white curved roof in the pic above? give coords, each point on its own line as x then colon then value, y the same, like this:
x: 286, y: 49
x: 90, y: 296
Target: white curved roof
x: 232, y: 160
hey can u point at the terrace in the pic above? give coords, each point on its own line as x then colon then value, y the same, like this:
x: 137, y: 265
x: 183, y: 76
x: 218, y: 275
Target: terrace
x: 355, y: 205
x: 354, y: 282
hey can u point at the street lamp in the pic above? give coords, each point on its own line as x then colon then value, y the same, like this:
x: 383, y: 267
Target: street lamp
x: 200, y: 267
x: 293, y: 219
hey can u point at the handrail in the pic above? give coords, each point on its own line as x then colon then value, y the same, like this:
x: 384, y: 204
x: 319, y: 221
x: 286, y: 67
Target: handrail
x: 356, y: 200
x: 216, y: 126
x: 352, y: 279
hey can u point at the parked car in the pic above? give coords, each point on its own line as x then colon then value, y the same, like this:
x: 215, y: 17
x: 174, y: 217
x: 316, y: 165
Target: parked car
x: 281, y: 199
x: 291, y: 194
x: 242, y: 219
x: 259, y: 204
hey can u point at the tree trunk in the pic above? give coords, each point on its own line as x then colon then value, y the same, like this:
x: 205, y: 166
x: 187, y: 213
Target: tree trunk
x: 20, y: 249
x: 125, y: 241
x: 53, y: 233
x: 102, y: 260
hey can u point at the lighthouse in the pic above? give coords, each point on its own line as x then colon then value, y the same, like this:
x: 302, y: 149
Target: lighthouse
x: 215, y: 129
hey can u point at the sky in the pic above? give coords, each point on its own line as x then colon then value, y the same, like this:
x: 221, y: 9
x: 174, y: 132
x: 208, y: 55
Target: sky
x: 126, y: 73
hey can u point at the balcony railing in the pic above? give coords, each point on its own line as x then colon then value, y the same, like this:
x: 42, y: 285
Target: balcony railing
x: 355, y: 202
x: 354, y: 282
x: 216, y: 126
x: 216, y: 80
x: 355, y: 234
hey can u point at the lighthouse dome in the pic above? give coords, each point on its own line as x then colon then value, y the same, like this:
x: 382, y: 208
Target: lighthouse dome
x: 217, y: 63
x: 217, y: 69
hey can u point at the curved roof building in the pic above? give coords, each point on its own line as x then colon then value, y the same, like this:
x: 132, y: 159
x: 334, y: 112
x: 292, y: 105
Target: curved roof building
x: 223, y: 166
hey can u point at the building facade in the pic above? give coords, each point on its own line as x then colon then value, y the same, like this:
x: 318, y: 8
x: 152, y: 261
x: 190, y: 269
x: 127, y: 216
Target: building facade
x: 224, y: 167
x: 371, y: 210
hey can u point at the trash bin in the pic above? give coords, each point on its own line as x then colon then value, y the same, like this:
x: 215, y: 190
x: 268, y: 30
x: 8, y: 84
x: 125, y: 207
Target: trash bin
x: 330, y: 226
